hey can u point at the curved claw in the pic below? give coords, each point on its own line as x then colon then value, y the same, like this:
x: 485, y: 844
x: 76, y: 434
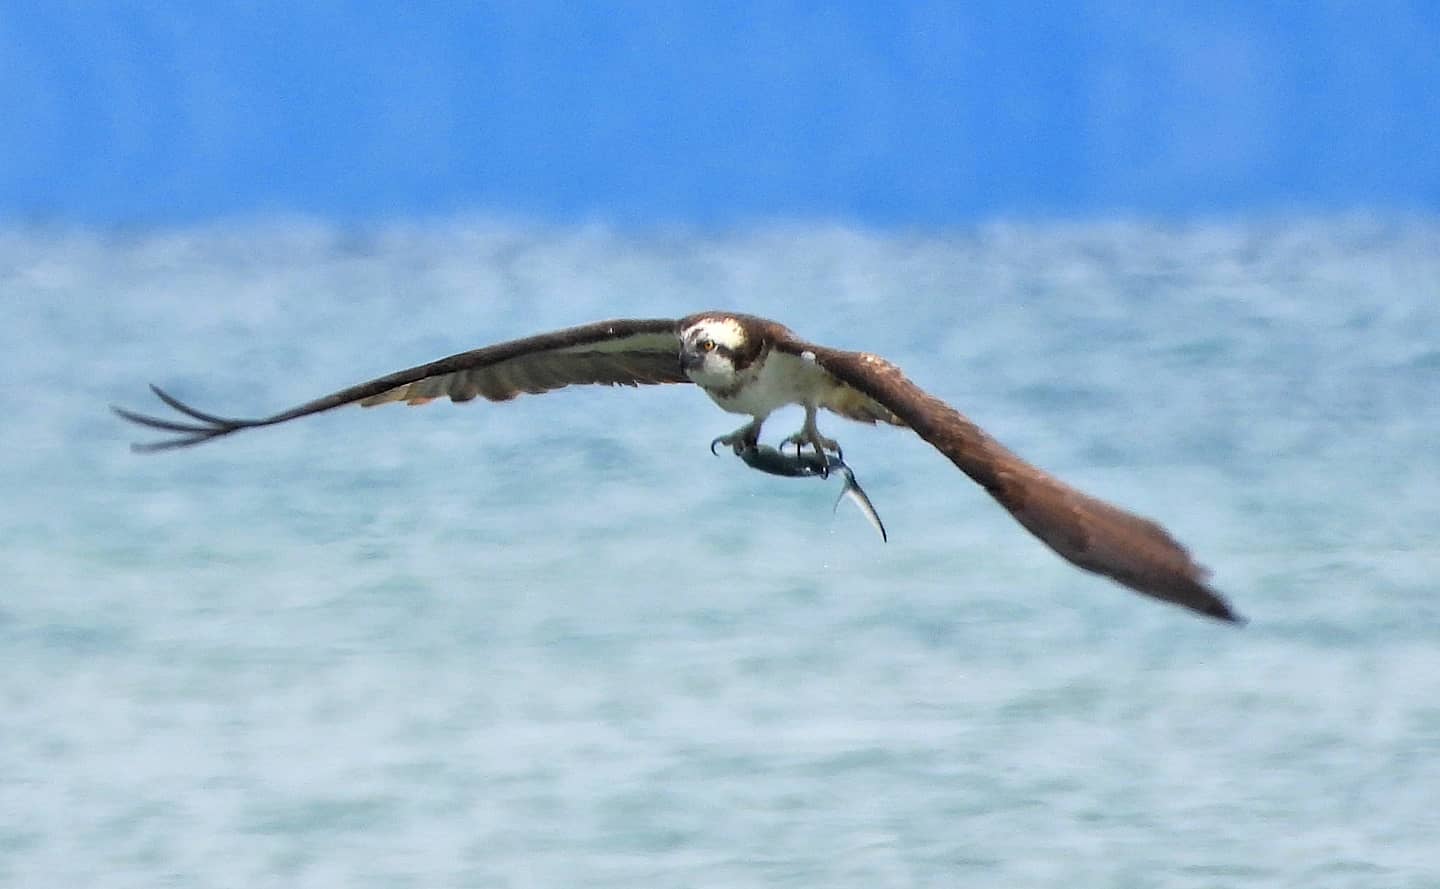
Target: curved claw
x: 824, y: 447
x: 744, y: 438
x: 729, y: 442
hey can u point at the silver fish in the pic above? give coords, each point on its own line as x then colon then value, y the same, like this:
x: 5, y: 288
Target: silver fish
x: 810, y: 463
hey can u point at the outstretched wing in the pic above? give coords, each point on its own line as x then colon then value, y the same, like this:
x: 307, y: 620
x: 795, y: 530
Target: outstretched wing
x: 1090, y: 533
x: 620, y: 352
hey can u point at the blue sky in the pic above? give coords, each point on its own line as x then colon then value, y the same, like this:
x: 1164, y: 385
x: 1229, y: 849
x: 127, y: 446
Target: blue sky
x: 918, y: 114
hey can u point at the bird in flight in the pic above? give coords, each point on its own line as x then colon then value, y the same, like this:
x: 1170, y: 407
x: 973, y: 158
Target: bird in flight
x: 754, y: 366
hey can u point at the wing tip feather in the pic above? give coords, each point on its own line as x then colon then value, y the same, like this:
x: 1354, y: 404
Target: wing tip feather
x: 1220, y: 610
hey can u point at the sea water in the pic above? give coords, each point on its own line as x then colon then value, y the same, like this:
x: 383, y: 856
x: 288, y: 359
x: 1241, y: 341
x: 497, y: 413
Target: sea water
x: 555, y: 642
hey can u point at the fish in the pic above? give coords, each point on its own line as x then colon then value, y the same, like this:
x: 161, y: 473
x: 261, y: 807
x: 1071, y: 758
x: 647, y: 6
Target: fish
x: 808, y: 464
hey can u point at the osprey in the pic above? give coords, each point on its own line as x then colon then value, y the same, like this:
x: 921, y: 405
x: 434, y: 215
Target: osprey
x: 753, y: 366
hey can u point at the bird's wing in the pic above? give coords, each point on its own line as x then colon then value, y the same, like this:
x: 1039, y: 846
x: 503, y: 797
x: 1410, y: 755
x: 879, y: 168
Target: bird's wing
x: 620, y: 352
x: 1088, y: 532
x: 855, y: 404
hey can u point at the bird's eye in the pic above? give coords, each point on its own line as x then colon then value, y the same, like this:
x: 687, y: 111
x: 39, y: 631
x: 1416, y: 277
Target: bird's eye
x: 707, y: 345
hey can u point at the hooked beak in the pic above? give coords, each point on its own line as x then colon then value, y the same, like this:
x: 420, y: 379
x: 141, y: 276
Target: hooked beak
x: 689, y: 360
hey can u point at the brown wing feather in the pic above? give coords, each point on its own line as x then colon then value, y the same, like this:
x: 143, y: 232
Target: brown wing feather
x: 539, y: 372
x: 853, y: 404
x: 1090, y: 533
x: 620, y: 352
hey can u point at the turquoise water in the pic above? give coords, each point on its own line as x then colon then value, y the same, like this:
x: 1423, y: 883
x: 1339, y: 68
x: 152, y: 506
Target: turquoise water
x: 556, y: 643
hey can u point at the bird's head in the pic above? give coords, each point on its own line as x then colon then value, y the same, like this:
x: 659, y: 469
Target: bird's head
x: 714, y: 350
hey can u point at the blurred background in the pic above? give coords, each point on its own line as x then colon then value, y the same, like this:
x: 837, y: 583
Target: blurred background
x: 916, y: 114
x: 1187, y: 258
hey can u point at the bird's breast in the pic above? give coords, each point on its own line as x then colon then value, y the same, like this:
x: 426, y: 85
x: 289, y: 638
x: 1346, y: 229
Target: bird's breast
x: 770, y: 383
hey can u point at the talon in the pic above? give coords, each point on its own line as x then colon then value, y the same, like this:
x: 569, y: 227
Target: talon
x: 824, y: 447
x: 745, y: 438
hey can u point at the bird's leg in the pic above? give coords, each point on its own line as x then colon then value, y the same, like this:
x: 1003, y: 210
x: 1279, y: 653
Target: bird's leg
x: 810, y: 435
x: 745, y: 438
